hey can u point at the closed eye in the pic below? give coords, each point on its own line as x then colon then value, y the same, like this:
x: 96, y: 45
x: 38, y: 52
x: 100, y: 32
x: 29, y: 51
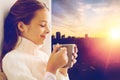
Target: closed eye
x: 42, y: 25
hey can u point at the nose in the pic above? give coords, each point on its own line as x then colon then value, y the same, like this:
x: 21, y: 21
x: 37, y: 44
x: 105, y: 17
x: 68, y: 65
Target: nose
x: 47, y: 30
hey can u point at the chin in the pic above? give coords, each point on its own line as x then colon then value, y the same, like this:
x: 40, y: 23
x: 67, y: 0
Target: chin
x: 40, y: 43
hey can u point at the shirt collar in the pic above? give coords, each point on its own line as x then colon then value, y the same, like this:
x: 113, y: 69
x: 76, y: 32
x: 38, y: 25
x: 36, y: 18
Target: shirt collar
x: 27, y: 46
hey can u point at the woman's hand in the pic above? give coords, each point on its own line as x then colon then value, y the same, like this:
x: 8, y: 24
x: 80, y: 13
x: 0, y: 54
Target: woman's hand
x: 58, y: 59
x: 64, y: 71
x: 74, y: 56
x: 2, y: 76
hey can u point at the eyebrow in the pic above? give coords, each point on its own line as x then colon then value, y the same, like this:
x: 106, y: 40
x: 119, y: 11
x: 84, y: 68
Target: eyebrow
x: 43, y: 21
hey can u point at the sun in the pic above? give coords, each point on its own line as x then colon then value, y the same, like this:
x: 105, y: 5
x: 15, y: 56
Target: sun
x: 115, y: 33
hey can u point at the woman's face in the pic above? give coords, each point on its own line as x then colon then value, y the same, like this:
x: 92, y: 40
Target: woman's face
x: 38, y: 28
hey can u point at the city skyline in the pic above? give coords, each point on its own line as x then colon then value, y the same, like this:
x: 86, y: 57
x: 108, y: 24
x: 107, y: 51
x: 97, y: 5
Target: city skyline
x: 59, y: 35
x: 98, y: 18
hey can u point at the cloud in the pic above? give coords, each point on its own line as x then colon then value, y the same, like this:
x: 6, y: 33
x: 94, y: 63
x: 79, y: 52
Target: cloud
x: 85, y: 16
x: 61, y: 8
x: 114, y: 2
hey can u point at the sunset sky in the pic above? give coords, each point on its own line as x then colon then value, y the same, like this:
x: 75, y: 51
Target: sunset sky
x: 97, y: 18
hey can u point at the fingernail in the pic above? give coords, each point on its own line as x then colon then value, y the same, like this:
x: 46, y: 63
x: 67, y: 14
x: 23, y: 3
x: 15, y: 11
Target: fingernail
x: 57, y: 44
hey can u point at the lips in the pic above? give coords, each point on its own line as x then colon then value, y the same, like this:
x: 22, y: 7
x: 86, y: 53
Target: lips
x: 43, y: 36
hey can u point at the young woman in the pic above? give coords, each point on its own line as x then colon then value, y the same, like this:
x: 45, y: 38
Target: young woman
x: 25, y: 29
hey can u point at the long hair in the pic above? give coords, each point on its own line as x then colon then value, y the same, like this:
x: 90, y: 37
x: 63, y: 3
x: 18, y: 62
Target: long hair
x: 22, y: 10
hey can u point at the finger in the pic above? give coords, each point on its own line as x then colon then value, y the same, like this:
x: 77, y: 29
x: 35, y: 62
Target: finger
x: 63, y: 54
x: 75, y: 55
x: 56, y: 48
x: 75, y: 49
x: 62, y: 50
x: 74, y: 61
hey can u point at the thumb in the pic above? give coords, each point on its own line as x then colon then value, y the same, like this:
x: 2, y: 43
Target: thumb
x: 56, y: 48
x: 63, y: 51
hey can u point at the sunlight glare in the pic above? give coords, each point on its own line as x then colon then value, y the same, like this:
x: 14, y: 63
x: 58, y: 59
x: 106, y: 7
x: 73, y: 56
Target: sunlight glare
x: 115, y: 33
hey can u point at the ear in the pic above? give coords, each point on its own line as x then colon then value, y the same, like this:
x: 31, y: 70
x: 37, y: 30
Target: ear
x: 21, y: 26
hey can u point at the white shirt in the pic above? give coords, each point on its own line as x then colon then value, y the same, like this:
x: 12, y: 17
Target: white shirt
x: 28, y: 62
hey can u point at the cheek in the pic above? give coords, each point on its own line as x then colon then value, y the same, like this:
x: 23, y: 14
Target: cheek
x: 41, y: 30
x: 33, y: 33
x: 38, y: 32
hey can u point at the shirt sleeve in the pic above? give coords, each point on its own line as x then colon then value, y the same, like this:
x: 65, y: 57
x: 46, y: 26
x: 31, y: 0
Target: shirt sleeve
x: 60, y: 76
x: 15, y: 69
x: 49, y: 76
